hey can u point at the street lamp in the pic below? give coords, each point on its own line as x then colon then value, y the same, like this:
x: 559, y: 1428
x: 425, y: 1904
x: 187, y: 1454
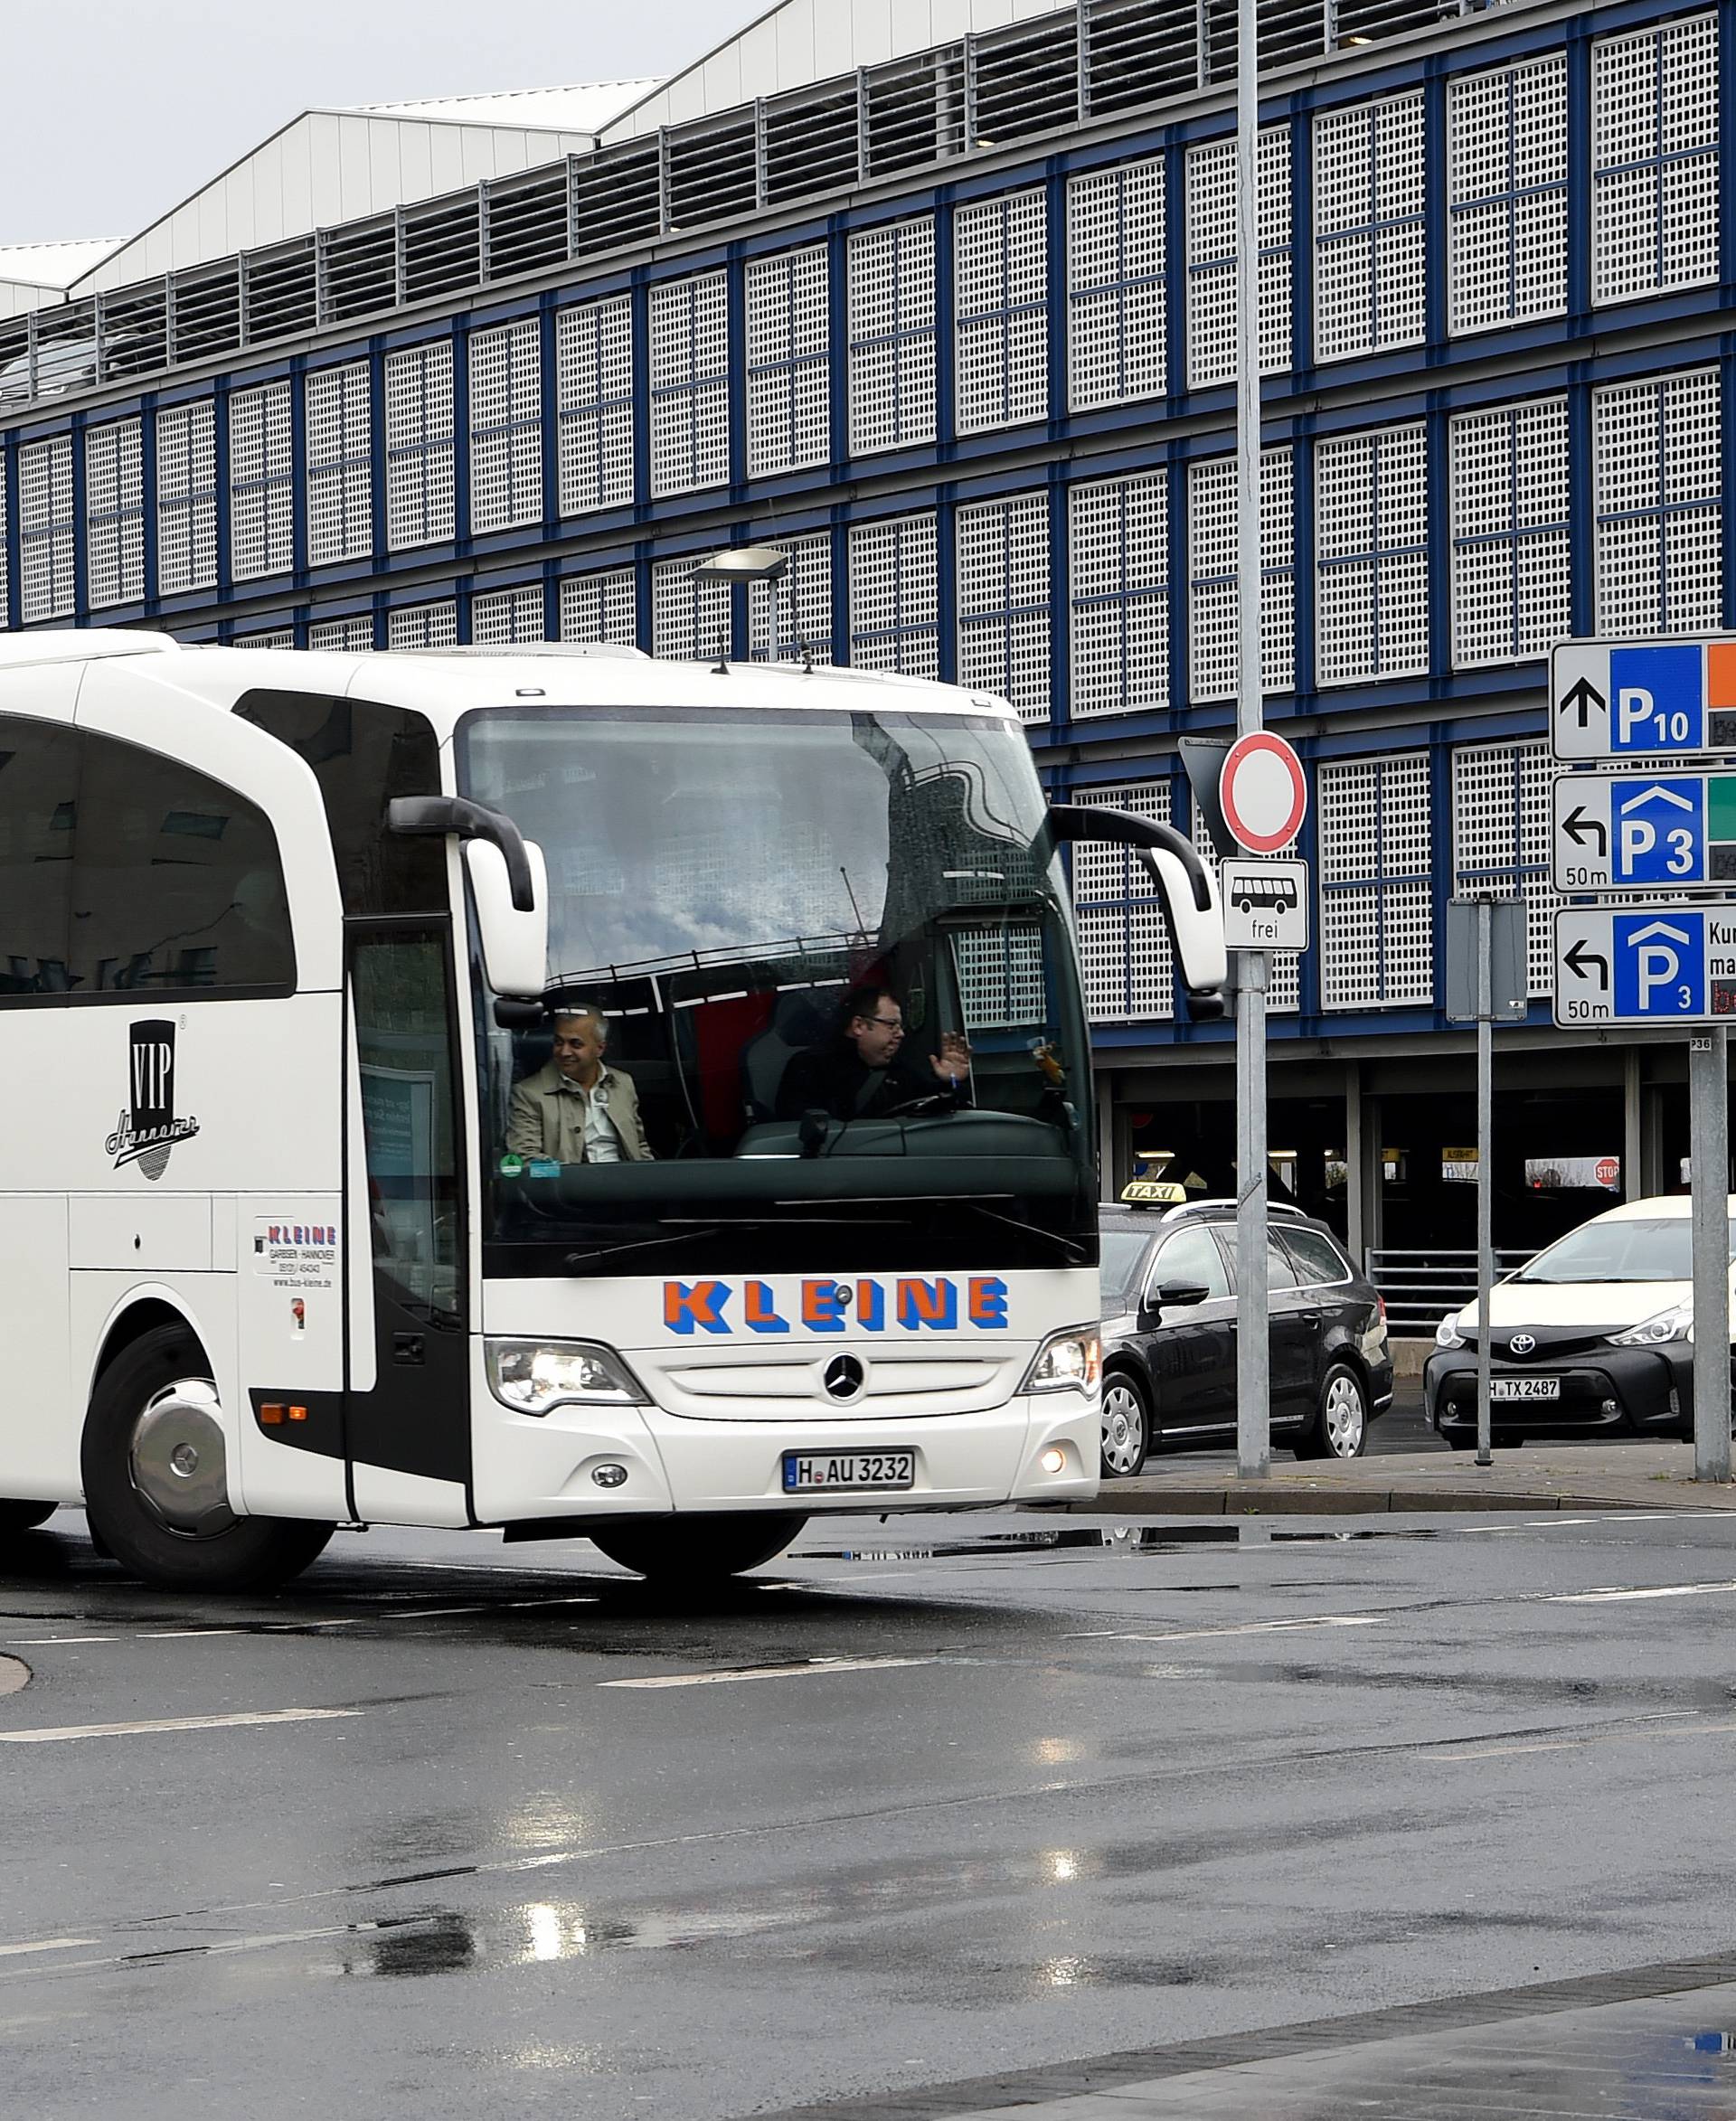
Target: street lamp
x: 745, y: 563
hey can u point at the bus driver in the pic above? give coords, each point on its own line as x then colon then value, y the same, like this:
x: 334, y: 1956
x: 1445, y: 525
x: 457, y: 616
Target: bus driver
x: 576, y: 1109
x: 859, y: 1075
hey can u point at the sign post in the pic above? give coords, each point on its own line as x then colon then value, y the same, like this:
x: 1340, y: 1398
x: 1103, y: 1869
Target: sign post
x: 1264, y: 799
x: 1658, y: 708
x: 1485, y: 980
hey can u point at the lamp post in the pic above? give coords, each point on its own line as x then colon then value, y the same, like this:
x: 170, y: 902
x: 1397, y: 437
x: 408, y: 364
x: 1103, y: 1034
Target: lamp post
x: 745, y: 563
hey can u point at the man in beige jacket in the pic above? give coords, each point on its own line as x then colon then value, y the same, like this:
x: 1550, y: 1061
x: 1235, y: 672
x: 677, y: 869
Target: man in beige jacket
x: 578, y: 1109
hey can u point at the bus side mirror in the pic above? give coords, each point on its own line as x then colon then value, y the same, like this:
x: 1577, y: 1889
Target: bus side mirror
x: 514, y: 941
x: 1187, y: 892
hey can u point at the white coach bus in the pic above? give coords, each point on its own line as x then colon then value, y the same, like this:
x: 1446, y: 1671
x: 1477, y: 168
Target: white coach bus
x: 539, y: 1090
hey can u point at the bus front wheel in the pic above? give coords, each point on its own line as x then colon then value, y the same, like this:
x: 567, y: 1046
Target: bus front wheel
x: 155, y: 1477
x: 677, y: 1551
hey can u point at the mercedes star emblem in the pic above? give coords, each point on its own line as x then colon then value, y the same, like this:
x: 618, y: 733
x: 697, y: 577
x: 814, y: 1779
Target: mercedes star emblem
x: 844, y: 1377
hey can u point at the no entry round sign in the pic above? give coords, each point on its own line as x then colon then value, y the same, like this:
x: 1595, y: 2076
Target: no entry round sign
x: 1264, y: 796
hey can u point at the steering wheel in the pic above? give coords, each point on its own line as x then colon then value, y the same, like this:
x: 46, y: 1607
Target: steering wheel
x: 923, y: 1108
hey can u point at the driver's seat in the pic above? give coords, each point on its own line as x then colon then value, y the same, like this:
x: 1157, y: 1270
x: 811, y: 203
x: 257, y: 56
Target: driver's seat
x: 796, y: 1026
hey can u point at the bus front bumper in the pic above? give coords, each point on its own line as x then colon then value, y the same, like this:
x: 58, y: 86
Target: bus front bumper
x: 1037, y: 1447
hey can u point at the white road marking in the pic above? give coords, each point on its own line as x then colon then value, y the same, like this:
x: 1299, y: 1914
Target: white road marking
x: 175, y: 1635
x: 1615, y: 1595
x: 24, y: 1641
x: 47, y: 1943
x: 53, y: 1735
x: 818, y: 1668
x: 1189, y: 1634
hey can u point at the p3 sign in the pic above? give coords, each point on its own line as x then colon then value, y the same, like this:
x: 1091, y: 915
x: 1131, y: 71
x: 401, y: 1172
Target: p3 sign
x: 1659, y: 964
x: 1617, y: 831
x: 1642, y: 699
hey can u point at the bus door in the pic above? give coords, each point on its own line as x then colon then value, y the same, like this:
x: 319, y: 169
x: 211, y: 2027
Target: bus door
x: 407, y: 1399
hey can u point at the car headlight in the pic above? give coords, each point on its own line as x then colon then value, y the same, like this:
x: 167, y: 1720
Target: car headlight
x: 533, y: 1376
x: 1446, y: 1334
x: 1071, y: 1361
x: 1676, y: 1324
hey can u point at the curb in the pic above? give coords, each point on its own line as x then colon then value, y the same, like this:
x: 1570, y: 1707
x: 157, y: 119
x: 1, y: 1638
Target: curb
x: 1340, y: 1502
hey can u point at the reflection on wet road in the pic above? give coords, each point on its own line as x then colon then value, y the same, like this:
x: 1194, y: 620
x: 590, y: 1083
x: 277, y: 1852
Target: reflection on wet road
x: 450, y: 1829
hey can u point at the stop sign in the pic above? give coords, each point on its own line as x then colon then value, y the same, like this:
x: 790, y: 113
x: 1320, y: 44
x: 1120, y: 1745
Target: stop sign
x: 1608, y: 1170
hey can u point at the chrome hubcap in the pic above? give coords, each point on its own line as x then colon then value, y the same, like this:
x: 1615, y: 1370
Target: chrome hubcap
x: 1345, y: 1418
x: 1124, y: 1429
x: 177, y: 1460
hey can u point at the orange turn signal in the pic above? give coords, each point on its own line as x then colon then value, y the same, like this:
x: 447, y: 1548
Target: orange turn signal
x: 271, y: 1414
x: 297, y: 1413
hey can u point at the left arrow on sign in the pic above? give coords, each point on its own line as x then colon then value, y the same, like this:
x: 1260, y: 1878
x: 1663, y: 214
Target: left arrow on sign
x: 1580, y: 826
x: 1578, y: 957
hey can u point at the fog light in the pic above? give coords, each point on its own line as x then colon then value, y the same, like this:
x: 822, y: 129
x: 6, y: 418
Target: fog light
x: 1053, y: 1461
x: 609, y: 1476
x: 1611, y: 1408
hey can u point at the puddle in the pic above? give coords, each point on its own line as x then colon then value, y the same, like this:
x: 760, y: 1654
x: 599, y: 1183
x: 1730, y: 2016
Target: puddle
x: 1119, y: 1539
x: 422, y: 1945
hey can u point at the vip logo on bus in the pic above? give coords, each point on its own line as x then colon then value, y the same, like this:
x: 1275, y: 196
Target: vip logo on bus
x: 147, y: 1128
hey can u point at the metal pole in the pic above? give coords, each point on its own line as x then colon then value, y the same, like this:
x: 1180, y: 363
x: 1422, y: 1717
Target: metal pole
x: 1485, y: 1170
x: 1254, y: 1343
x: 1709, y: 1146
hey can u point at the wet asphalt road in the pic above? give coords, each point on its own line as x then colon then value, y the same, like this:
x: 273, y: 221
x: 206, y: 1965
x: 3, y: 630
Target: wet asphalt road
x: 505, y: 1836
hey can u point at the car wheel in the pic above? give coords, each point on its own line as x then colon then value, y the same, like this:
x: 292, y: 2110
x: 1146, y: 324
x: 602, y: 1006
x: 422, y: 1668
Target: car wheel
x: 1126, y: 1426
x: 1340, y: 1425
x: 24, y: 1516
x: 156, y: 1484
x: 687, y: 1553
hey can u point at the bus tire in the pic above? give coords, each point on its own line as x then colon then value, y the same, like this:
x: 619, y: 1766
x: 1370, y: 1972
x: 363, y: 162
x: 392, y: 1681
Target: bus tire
x: 678, y: 1552
x: 24, y: 1516
x: 155, y: 1487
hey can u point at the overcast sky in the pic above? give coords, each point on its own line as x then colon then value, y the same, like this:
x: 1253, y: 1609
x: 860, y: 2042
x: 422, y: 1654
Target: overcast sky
x: 116, y: 112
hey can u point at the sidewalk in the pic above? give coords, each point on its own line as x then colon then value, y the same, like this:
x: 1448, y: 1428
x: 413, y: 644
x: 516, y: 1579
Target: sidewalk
x: 1537, y: 1478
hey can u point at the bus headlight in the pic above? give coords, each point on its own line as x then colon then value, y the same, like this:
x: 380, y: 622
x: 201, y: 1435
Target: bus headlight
x: 533, y: 1376
x: 1071, y: 1361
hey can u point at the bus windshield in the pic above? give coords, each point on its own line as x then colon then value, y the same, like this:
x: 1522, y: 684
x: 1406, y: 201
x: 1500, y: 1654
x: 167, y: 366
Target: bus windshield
x: 813, y: 977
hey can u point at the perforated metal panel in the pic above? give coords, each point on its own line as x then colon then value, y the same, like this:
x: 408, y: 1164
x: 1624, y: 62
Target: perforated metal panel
x: 803, y: 604
x: 507, y: 426
x: 505, y: 615
x: 894, y: 597
x: 1118, y: 539
x: 1000, y: 975
x: 1004, y: 601
x: 186, y: 499
x: 789, y: 364
x: 1507, y: 175
x: 1370, y: 531
x: 5, y: 565
x: 1000, y: 251
x: 1114, y: 286
x: 690, y: 379
x: 600, y: 608
x: 1655, y: 455
x: 1501, y: 831
x: 261, y: 500
x: 422, y: 626
x: 1654, y: 159
x: 113, y: 514
x: 1368, y: 228
x: 1283, y: 967
x: 353, y: 634
x: 690, y: 616
x: 1376, y: 937
x: 46, y: 533
x: 593, y: 358
x: 1511, y: 559
x: 277, y: 636
x: 892, y: 336
x: 1125, y: 955
x: 340, y: 469
x: 1214, y: 639
x: 418, y: 446
x: 1212, y: 258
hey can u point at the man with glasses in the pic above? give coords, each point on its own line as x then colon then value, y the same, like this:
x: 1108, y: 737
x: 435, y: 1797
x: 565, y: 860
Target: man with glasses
x: 859, y: 1075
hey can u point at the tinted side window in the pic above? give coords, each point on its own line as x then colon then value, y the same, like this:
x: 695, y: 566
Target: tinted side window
x: 39, y: 788
x: 1280, y: 1273
x: 1192, y: 1255
x: 1316, y: 1259
x: 363, y: 755
x: 176, y: 883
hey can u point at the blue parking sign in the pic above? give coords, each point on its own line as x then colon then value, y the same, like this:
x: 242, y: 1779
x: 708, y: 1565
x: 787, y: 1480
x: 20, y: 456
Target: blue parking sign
x: 1656, y: 699
x: 1660, y: 968
x: 1658, y: 829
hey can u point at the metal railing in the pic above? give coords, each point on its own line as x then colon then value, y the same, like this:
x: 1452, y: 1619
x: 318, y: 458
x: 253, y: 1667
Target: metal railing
x: 1422, y: 1286
x: 1094, y: 60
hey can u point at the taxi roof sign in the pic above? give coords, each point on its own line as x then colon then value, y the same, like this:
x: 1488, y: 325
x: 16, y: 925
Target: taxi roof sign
x: 1153, y: 1192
